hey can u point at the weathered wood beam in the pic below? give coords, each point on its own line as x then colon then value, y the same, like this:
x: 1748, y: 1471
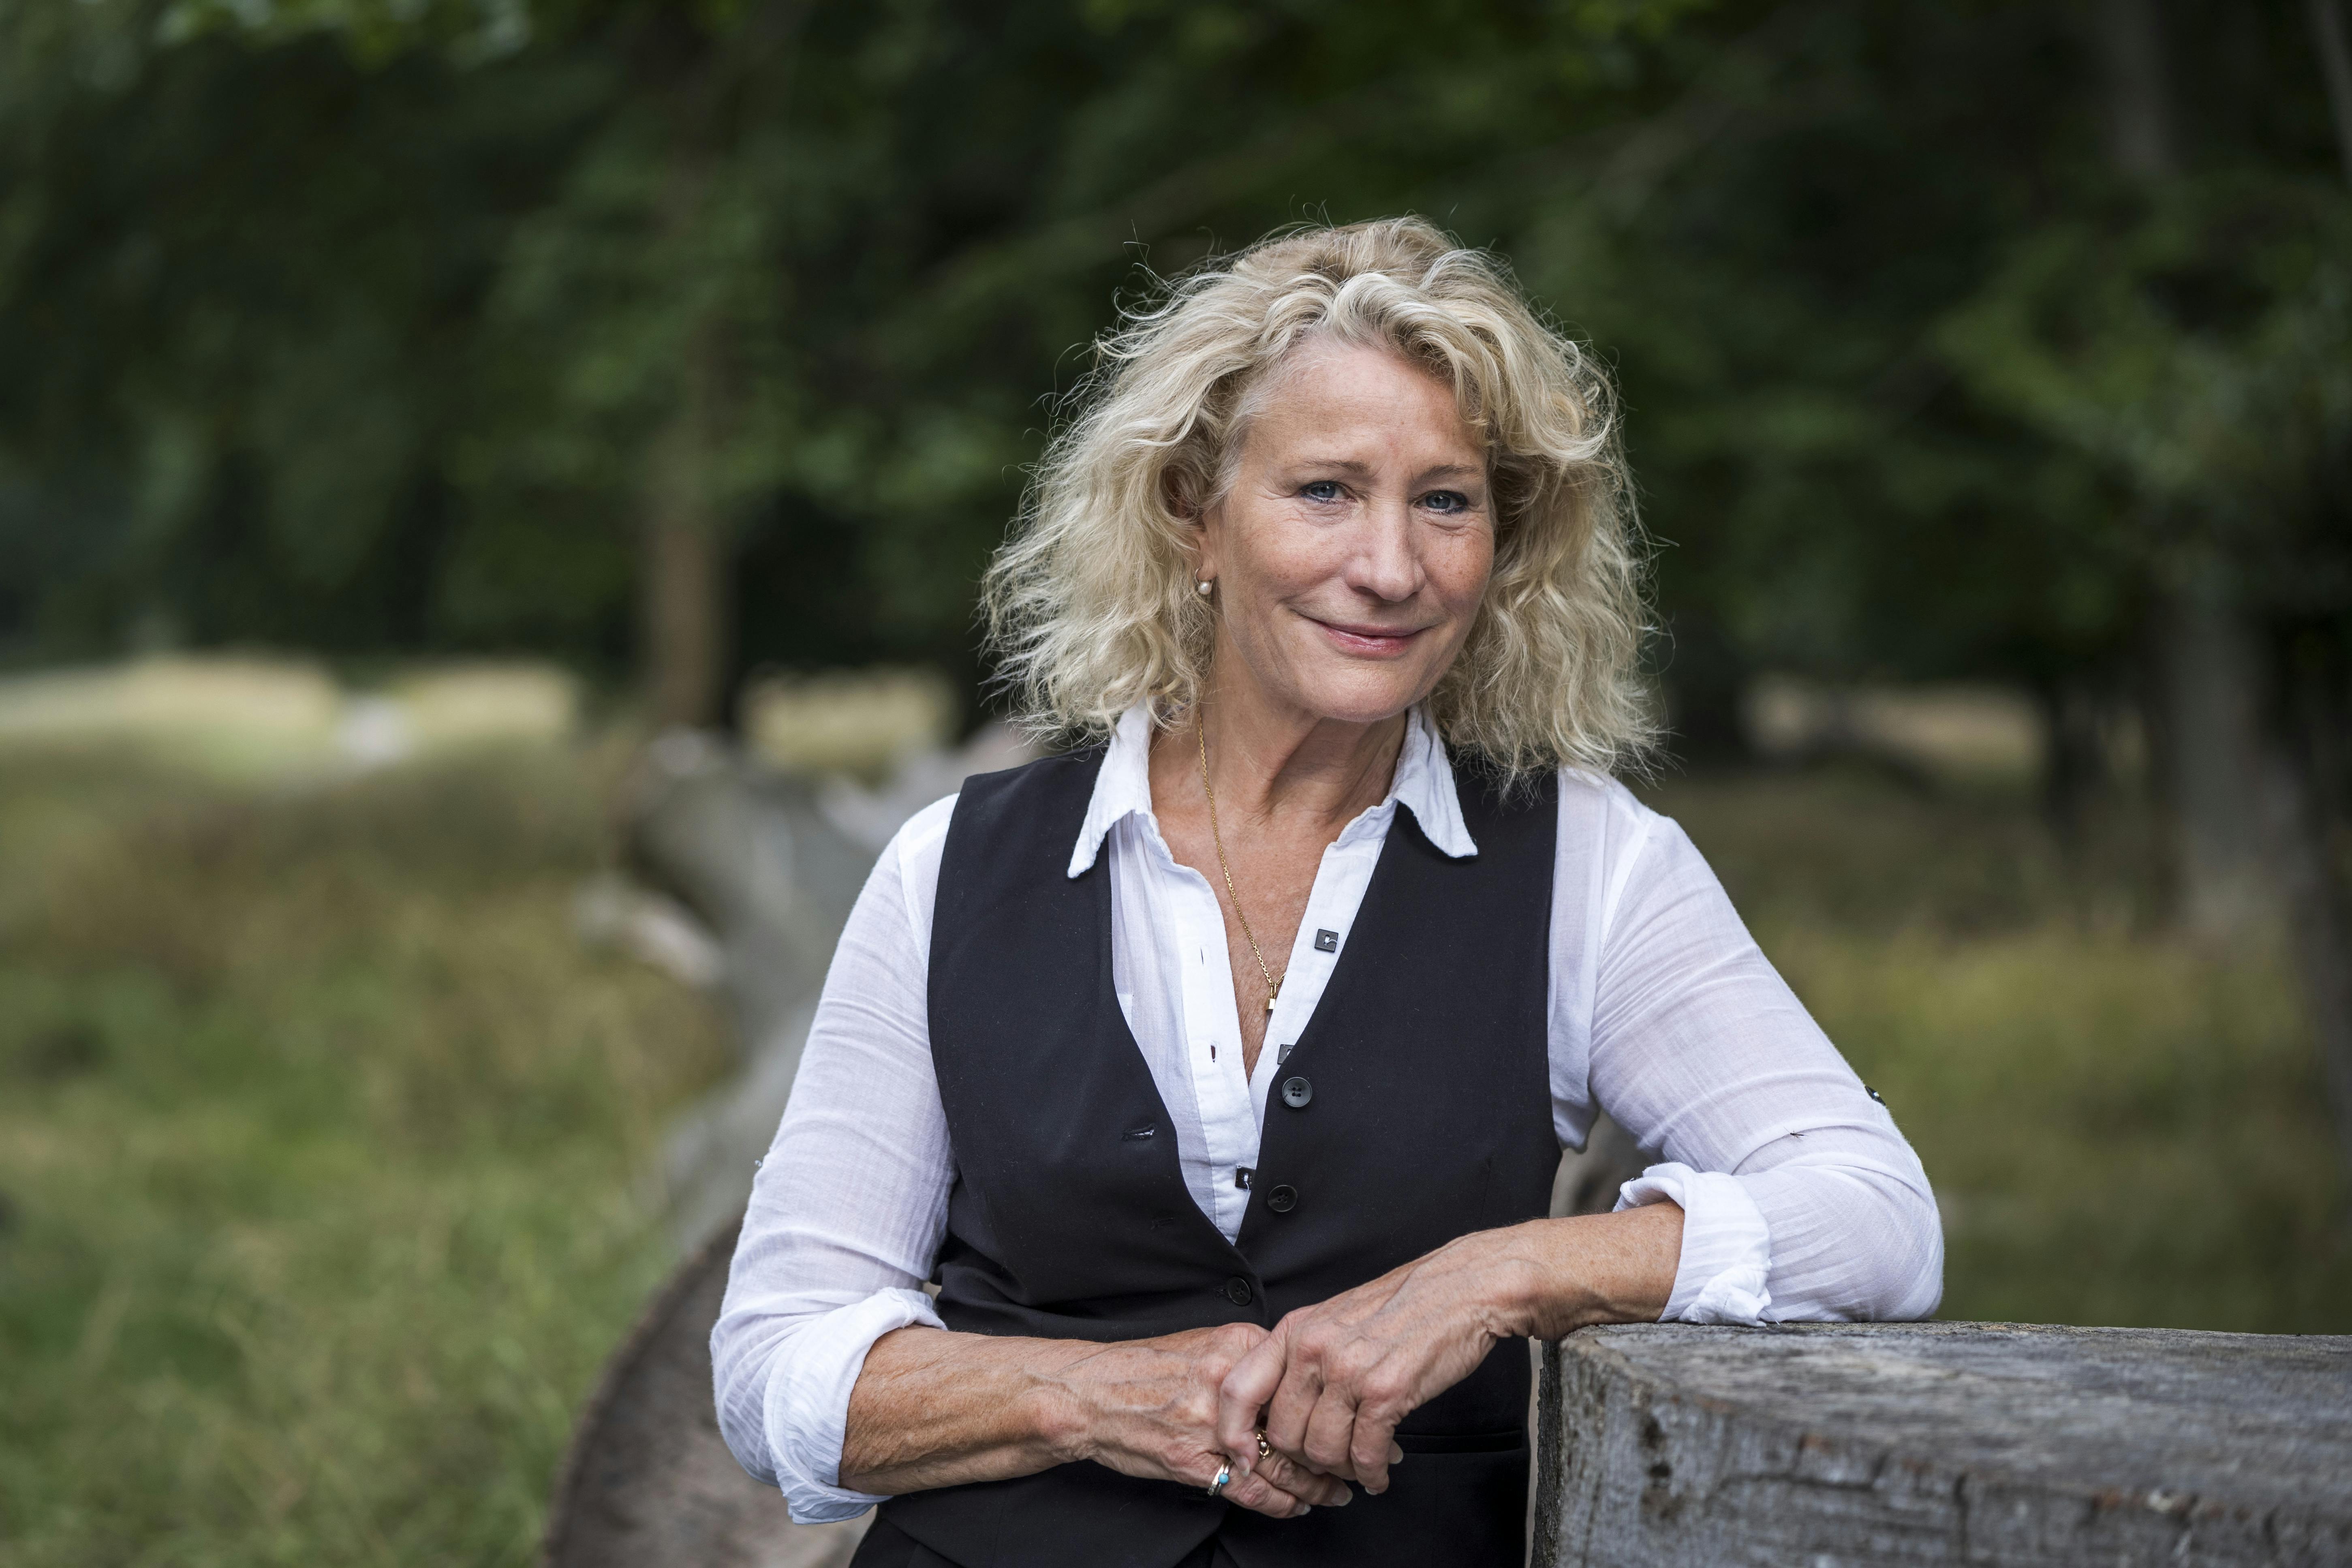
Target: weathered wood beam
x: 1665, y: 1446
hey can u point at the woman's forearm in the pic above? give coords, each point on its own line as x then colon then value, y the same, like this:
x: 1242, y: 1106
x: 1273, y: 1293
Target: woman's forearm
x: 933, y: 1408
x: 1567, y: 1274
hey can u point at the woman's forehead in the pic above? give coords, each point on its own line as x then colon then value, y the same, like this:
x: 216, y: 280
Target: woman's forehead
x: 1349, y: 404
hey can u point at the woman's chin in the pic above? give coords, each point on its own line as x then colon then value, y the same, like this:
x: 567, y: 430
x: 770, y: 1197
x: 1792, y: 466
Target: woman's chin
x: 1359, y: 695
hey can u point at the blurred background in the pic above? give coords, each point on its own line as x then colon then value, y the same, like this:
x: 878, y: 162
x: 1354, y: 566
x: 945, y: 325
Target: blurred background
x: 469, y: 469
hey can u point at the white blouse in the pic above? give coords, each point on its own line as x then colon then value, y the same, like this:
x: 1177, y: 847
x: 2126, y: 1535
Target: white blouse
x: 1801, y: 1200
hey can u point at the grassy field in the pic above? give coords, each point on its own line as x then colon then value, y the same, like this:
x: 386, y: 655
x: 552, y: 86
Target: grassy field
x: 2120, y: 1128
x: 322, y: 1135
x: 320, y: 1139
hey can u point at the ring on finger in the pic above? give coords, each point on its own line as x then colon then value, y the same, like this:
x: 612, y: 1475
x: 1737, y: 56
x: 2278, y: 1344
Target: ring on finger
x: 1265, y: 1449
x: 1224, y: 1474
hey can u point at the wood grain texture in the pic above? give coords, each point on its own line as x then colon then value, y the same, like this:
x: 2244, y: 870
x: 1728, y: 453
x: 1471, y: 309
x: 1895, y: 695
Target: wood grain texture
x: 1667, y: 1445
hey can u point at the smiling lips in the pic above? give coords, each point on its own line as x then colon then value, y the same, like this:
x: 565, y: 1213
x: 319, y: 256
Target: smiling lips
x: 1374, y: 642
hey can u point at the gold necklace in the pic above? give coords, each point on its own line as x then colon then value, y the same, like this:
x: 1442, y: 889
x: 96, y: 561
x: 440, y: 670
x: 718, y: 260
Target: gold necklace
x: 1199, y: 733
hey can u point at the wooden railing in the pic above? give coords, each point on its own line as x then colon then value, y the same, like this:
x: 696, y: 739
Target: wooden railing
x: 1667, y: 1445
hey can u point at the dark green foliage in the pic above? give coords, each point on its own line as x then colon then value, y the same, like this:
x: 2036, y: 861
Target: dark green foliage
x: 364, y: 326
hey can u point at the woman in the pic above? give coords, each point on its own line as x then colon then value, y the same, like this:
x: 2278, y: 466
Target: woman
x: 1217, y: 1072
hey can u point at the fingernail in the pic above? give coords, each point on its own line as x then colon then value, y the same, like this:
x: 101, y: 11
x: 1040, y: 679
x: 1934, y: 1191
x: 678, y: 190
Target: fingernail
x: 1345, y: 1500
x: 1306, y: 1507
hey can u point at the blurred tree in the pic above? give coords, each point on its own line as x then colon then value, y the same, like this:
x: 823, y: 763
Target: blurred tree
x: 712, y: 334
x: 764, y: 274
x: 238, y: 298
x: 2191, y: 335
x: 1770, y: 253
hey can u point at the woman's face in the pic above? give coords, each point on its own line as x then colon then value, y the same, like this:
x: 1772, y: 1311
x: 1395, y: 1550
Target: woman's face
x: 1354, y: 545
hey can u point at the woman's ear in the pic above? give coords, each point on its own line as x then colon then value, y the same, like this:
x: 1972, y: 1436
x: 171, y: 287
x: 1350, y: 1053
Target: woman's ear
x: 1182, y: 495
x: 1204, y: 536
x: 1179, y: 493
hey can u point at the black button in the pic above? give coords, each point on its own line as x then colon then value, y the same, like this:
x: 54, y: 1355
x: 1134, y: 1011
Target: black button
x: 1237, y: 1292
x: 1296, y: 1093
x: 1282, y: 1200
x: 1874, y: 1094
x: 1241, y: 1175
x: 1327, y: 941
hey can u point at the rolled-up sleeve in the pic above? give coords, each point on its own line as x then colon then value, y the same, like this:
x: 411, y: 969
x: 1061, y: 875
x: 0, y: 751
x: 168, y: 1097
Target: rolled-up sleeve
x: 848, y: 1208
x: 1802, y: 1199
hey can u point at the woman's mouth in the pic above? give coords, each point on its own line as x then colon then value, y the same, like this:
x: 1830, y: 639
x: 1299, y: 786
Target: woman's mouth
x: 1371, y: 642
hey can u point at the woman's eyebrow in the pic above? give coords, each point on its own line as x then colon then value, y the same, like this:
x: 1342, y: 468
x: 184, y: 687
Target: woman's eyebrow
x: 1344, y: 465
x: 1357, y: 467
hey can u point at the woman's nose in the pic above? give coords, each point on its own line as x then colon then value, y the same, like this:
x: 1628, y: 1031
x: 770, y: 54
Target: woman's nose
x: 1385, y: 564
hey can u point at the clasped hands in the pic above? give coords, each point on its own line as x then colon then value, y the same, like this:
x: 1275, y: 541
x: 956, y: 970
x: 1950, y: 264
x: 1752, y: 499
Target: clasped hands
x: 1330, y: 1383
x: 1326, y: 1386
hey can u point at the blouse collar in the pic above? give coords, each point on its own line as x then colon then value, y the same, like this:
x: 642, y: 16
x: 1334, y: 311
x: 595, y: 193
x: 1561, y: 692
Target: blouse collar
x: 1424, y: 784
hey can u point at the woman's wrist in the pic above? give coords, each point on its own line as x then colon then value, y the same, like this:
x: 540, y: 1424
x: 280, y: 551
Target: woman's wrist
x: 1527, y: 1286
x: 1058, y: 1414
x: 1552, y: 1277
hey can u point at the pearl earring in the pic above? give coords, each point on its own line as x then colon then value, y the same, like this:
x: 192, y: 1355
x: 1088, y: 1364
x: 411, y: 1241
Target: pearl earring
x: 1204, y: 585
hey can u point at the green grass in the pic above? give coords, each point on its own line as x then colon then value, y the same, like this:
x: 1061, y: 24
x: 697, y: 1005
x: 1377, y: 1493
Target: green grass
x: 2120, y: 1128
x: 321, y: 1137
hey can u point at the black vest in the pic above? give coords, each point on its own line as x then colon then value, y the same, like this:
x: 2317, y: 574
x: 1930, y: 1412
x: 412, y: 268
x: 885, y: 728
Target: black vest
x: 1415, y: 1108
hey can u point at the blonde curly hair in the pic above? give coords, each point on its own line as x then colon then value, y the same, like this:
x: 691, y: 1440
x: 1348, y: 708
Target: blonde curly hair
x: 1090, y: 605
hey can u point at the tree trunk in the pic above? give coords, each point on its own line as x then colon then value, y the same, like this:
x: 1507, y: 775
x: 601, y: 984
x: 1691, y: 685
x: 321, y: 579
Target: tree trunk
x: 2308, y: 795
x: 2208, y: 673
x: 2207, y: 677
x: 2074, y: 766
x: 684, y: 582
x: 2334, y: 48
x: 2318, y: 719
x: 2139, y: 103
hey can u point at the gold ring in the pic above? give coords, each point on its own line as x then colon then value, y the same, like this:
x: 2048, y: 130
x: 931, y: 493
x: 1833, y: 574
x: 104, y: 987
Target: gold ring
x: 1265, y: 1449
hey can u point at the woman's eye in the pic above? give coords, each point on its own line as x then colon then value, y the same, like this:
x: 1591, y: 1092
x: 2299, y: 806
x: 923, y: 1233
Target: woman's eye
x: 1321, y: 490
x: 1447, y: 502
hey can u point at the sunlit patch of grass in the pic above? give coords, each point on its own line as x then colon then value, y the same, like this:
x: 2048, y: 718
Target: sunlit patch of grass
x: 319, y: 1138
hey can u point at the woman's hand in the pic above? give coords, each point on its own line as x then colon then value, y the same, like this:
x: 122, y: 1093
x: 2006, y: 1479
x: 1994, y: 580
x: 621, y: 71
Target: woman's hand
x: 932, y: 1408
x: 1332, y: 1380
x: 1149, y: 1408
